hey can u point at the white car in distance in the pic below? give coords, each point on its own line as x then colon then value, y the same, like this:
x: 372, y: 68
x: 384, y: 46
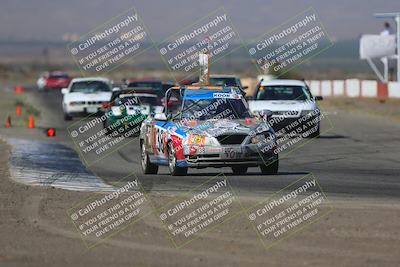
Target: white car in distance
x: 85, y: 96
x: 287, y: 104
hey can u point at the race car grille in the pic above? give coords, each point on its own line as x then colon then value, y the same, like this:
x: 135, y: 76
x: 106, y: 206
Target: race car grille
x: 233, y: 139
x: 286, y: 113
x: 194, y: 158
x: 94, y: 102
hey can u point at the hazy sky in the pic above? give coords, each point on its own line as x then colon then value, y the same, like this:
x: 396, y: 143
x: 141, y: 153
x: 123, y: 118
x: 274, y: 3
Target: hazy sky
x: 50, y: 19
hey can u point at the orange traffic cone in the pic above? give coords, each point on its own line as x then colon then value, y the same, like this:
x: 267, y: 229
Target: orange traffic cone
x: 8, y: 122
x: 31, y: 124
x: 19, y: 110
x: 19, y: 89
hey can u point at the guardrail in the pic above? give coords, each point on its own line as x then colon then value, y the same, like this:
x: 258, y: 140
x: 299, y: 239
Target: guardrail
x: 355, y: 88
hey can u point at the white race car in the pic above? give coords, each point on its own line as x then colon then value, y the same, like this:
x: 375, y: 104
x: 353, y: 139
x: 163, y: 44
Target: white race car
x: 287, y: 104
x: 85, y: 96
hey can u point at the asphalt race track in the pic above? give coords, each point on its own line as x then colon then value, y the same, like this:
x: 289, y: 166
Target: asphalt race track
x: 355, y: 158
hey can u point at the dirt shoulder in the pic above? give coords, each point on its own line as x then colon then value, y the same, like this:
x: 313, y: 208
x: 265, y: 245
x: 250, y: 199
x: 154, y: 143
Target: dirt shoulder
x: 389, y: 110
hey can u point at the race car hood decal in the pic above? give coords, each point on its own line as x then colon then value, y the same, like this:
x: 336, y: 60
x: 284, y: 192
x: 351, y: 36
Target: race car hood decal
x: 217, y: 127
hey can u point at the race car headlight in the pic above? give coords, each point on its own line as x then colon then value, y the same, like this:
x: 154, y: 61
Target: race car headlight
x: 116, y: 111
x: 75, y: 103
x: 259, y: 138
x: 307, y: 112
x: 211, y: 141
x: 264, y: 137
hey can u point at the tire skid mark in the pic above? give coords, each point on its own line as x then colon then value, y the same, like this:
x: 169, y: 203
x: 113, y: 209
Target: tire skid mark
x: 42, y: 163
x: 30, y: 211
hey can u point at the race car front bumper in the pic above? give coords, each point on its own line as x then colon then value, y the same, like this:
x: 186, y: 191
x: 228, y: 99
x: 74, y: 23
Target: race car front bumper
x: 227, y: 156
x: 83, y: 110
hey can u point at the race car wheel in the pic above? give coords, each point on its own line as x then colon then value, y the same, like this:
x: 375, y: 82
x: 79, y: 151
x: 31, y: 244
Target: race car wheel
x: 67, y: 117
x: 271, y: 168
x: 106, y: 127
x: 147, y: 166
x: 173, y: 169
x: 315, y: 134
x: 239, y: 169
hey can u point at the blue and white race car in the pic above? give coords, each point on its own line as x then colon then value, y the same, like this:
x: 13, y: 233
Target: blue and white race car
x: 207, y: 126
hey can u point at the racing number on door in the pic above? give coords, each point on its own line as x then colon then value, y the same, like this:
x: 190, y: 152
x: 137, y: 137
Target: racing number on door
x: 159, y: 140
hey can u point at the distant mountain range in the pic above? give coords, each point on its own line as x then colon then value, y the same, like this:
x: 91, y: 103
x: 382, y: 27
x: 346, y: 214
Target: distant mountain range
x: 338, y: 61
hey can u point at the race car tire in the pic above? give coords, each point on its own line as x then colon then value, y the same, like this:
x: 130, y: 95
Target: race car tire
x: 173, y: 169
x: 271, y: 168
x: 105, y: 126
x: 314, y: 134
x: 239, y: 169
x: 147, y: 166
x: 67, y: 117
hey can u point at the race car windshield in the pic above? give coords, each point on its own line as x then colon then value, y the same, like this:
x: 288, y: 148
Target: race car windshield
x: 283, y: 93
x: 215, y: 108
x: 152, y: 85
x: 223, y: 81
x: 90, y: 87
x: 136, y: 100
x: 59, y: 76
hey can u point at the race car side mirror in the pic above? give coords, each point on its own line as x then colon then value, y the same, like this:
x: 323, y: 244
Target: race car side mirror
x: 64, y: 91
x: 264, y: 114
x: 160, y: 117
x: 318, y: 98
